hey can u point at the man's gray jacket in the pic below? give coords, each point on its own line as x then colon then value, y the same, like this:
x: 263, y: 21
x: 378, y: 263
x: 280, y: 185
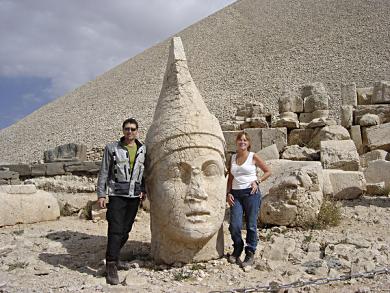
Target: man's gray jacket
x: 116, y: 178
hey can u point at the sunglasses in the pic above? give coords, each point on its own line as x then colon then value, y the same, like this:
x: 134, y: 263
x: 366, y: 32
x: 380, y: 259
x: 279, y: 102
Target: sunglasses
x: 130, y: 129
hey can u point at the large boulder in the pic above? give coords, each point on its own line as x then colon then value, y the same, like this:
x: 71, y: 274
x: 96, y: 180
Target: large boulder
x: 292, y: 196
x: 25, y: 208
x: 369, y: 120
x: 381, y: 94
x: 378, y: 137
x: 340, y: 154
x: 346, y: 184
x: 332, y: 132
x: 373, y: 156
x: 269, y: 153
x: 378, y: 171
x: 297, y: 153
x: 316, y: 102
x: 65, y: 153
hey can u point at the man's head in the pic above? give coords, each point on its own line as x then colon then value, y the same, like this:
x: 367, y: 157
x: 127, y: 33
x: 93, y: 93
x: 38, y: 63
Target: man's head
x: 130, y: 129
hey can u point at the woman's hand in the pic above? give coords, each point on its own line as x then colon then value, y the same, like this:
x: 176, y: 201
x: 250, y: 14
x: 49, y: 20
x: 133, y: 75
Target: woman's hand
x: 254, y: 187
x: 230, y: 199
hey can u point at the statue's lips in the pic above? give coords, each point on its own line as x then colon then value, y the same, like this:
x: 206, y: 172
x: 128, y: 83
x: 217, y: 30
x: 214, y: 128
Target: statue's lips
x: 198, y: 216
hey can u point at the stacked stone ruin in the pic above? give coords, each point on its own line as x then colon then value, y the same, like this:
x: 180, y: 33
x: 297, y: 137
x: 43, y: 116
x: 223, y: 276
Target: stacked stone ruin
x: 341, y: 161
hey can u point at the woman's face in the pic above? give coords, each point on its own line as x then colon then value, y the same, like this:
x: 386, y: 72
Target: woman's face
x: 187, y: 193
x: 242, y: 143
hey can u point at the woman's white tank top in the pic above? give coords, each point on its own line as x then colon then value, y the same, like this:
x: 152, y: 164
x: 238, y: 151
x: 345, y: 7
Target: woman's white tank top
x: 245, y: 174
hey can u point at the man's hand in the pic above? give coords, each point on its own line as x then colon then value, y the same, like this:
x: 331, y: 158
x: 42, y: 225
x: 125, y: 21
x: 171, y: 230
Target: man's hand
x: 230, y: 199
x: 143, y: 196
x: 102, y: 202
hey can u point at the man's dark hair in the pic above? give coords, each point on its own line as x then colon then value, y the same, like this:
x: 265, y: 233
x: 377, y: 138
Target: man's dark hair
x: 130, y: 120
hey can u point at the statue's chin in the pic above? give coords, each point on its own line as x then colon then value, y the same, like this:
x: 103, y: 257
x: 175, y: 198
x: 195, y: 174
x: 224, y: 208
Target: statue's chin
x: 193, y: 233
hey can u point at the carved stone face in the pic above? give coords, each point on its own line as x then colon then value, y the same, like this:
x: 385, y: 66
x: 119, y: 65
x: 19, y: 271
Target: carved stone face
x: 188, y: 194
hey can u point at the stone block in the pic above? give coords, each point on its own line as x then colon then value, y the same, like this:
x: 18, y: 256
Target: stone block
x: 276, y: 136
x: 297, y: 153
x: 66, y: 153
x: 53, y: 169
x: 333, y: 132
x: 378, y: 171
x: 254, y: 122
x: 340, y: 154
x: 364, y: 95
x: 293, y: 194
x: 346, y: 116
x: 38, y: 170
x: 89, y: 168
x: 378, y: 137
x: 320, y: 114
x: 8, y: 175
x: 381, y: 93
x: 18, y: 189
x: 312, y: 89
x: 356, y: 136
x: 288, y: 123
x: 349, y: 94
x: 382, y: 110
x: 316, y: 102
x: 230, y: 139
x: 321, y: 122
x: 300, y: 137
x: 305, y: 117
x: 368, y: 120
x: 290, y: 102
x: 250, y: 110
x: 255, y: 136
x: 22, y: 169
x: 347, y: 184
x: 28, y: 208
x: 269, y: 153
x: 376, y: 189
x: 373, y: 156
x: 231, y: 126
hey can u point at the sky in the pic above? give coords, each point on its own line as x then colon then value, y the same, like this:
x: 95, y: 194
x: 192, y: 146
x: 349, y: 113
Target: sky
x: 50, y: 47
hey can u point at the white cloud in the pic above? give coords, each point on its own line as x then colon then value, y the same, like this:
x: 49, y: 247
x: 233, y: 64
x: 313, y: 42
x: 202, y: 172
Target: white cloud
x: 72, y: 41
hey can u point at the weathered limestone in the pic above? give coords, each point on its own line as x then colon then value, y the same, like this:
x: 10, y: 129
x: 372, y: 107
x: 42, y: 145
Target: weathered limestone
x: 312, y: 89
x: 288, y: 120
x: 346, y: 184
x: 382, y: 110
x: 255, y: 136
x: 26, y: 207
x: 349, y: 94
x: 18, y: 189
x: 333, y: 132
x: 290, y: 102
x: 300, y: 137
x: 230, y: 138
x: 297, y: 153
x: 364, y: 95
x: 8, y: 177
x: 376, y: 189
x: 373, y: 156
x: 83, y: 167
x: 321, y: 122
x: 339, y: 154
x: 269, y: 153
x: 272, y: 136
x: 320, y: 114
x: 185, y: 170
x: 381, y: 94
x: 293, y: 195
x: 65, y: 153
x: 346, y: 116
x: 22, y: 169
x: 316, y: 102
x: 369, y: 120
x: 254, y: 122
x: 378, y: 137
x: 378, y: 171
x: 53, y: 169
x: 356, y: 136
x: 305, y: 117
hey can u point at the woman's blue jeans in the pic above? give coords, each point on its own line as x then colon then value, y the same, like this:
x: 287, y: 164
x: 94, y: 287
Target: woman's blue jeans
x: 249, y: 205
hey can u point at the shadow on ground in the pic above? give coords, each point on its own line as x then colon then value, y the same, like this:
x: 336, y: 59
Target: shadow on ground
x: 379, y: 201
x: 85, y: 252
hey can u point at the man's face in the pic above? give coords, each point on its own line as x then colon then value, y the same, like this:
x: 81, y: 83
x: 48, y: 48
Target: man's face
x: 187, y: 192
x: 130, y: 131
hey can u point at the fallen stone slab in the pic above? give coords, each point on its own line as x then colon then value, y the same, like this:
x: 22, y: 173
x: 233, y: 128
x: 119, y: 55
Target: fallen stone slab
x: 316, y: 102
x: 378, y: 171
x: 381, y: 94
x: 373, y: 156
x: 321, y: 122
x: 28, y: 208
x: 22, y: 169
x: 269, y: 153
x: 18, y: 189
x: 346, y: 184
x: 382, y: 110
x: 376, y: 189
x: 332, y: 132
x: 83, y: 167
x: 65, y: 153
x: 340, y: 154
x: 368, y: 120
x: 300, y: 137
x: 297, y: 153
x: 276, y: 136
x: 378, y: 137
x: 364, y: 95
x: 53, y: 169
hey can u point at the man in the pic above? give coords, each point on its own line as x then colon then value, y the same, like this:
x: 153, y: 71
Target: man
x: 121, y: 175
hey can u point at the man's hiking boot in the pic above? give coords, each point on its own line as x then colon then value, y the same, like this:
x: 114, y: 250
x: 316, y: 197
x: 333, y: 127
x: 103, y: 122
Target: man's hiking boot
x: 234, y: 258
x: 112, y: 273
x: 249, y: 259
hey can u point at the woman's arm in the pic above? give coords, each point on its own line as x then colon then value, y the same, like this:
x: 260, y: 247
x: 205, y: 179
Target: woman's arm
x: 263, y: 166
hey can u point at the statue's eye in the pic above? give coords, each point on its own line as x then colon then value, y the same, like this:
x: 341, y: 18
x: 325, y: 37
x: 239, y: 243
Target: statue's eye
x: 173, y: 172
x: 211, y: 169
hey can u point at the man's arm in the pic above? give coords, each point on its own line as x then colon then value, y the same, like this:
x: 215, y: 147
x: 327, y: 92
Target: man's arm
x: 102, y: 178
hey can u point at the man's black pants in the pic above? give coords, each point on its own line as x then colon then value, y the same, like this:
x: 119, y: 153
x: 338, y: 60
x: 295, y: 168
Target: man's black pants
x: 121, y: 212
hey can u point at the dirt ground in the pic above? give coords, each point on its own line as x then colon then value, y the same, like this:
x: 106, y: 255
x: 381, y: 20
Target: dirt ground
x: 67, y: 256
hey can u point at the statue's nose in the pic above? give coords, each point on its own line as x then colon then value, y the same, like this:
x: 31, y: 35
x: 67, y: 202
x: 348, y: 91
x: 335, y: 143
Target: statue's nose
x: 196, y: 189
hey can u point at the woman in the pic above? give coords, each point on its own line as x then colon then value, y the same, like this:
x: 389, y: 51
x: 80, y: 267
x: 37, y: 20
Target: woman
x: 243, y: 196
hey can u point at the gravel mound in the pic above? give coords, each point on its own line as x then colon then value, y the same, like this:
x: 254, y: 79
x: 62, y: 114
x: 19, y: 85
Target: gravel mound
x: 249, y: 51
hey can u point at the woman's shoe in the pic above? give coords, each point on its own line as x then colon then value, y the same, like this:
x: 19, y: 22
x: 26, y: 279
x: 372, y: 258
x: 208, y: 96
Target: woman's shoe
x: 249, y: 259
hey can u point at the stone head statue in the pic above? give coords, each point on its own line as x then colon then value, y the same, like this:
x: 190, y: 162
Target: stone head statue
x: 185, y: 170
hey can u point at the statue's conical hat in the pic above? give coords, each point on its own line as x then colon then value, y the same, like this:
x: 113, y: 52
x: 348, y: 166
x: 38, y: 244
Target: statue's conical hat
x: 181, y: 119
